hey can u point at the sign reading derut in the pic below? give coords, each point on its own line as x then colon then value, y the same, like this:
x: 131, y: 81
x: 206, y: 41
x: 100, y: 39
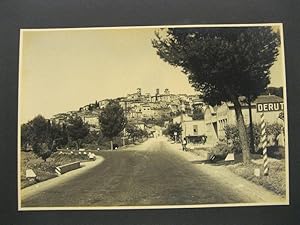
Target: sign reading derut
x: 269, y: 106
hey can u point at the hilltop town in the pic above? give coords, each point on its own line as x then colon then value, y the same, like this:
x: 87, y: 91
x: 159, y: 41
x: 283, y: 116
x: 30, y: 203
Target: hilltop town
x: 148, y: 111
x: 138, y: 107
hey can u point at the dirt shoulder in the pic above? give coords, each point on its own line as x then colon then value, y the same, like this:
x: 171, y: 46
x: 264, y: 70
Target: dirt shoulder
x: 275, y: 181
x: 247, y: 189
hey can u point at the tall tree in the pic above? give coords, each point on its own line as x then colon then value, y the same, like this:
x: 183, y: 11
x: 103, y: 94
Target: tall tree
x: 77, y: 130
x: 39, y: 133
x: 40, y: 129
x: 112, y: 120
x: 223, y: 63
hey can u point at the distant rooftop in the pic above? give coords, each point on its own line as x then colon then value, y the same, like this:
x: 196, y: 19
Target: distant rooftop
x: 268, y: 98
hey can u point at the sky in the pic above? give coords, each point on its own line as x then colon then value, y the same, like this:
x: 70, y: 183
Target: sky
x: 64, y: 69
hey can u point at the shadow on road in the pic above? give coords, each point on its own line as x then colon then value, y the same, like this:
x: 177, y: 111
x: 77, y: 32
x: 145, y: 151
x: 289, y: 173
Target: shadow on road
x: 201, y: 161
x: 219, y: 163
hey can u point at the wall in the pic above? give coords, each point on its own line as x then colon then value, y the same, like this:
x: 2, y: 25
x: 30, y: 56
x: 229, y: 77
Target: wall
x: 193, y: 128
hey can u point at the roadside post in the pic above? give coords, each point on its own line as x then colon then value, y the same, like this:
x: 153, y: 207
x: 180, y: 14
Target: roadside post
x: 124, y: 136
x: 264, y: 143
x: 175, y: 136
x: 263, y: 108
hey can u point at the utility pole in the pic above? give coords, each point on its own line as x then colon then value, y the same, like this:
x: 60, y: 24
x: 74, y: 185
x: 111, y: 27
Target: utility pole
x: 181, y: 115
x: 252, y: 146
x: 124, y: 130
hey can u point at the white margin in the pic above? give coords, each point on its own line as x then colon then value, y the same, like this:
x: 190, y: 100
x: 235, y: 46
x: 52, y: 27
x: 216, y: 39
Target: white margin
x: 19, y: 120
x: 286, y: 137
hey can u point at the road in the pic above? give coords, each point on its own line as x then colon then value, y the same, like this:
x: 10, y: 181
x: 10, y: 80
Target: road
x: 153, y: 173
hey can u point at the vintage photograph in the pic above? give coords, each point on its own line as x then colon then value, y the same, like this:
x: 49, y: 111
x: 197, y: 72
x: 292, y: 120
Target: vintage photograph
x: 152, y: 117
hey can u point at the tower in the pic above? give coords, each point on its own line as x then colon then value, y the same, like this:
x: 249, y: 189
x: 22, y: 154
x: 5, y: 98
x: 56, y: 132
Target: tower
x: 166, y: 92
x: 157, y: 91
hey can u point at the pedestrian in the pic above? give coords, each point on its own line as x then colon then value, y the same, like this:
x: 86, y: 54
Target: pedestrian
x: 184, y: 143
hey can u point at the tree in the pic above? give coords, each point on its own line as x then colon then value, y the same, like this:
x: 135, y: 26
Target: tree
x: 40, y: 128
x: 77, y: 130
x: 174, y: 128
x: 41, y: 134
x: 112, y: 120
x: 135, y: 132
x: 26, y: 135
x: 223, y: 63
x: 198, y: 114
x: 35, y: 132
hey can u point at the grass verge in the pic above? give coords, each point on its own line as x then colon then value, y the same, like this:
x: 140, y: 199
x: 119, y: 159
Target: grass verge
x: 44, y: 170
x: 275, y: 181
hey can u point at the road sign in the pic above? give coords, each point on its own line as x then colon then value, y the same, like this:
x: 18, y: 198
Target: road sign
x: 269, y: 106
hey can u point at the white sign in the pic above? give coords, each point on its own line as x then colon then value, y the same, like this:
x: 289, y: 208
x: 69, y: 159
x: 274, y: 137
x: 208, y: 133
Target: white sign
x: 229, y: 157
x: 30, y: 174
x: 269, y: 106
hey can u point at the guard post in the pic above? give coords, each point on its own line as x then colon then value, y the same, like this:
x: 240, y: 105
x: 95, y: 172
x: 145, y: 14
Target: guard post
x: 263, y: 108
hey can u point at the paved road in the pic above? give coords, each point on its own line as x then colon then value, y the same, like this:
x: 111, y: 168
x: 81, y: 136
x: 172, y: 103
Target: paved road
x: 152, y: 173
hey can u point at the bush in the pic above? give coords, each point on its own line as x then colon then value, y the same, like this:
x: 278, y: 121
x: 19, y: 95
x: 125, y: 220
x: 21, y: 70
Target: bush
x: 42, y: 150
x: 273, y: 129
x: 231, y: 133
x: 220, y: 152
x: 276, y: 152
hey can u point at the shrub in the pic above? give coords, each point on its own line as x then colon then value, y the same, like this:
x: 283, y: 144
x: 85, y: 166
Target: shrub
x: 220, y: 152
x: 274, y: 129
x: 42, y: 150
x: 232, y: 133
x: 276, y: 152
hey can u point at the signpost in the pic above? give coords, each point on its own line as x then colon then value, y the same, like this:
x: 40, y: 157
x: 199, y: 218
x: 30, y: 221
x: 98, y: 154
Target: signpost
x: 263, y: 108
x: 175, y: 136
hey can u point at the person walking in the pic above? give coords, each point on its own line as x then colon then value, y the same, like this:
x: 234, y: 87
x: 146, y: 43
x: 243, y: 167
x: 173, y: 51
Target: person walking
x: 184, y: 143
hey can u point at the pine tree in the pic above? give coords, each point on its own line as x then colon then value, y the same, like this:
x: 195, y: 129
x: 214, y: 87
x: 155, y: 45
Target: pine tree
x: 223, y: 63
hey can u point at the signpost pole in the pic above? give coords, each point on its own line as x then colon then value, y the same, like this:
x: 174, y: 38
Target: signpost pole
x: 264, y: 144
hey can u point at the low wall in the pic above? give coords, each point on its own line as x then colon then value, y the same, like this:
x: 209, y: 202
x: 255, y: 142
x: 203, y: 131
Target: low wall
x: 67, y: 167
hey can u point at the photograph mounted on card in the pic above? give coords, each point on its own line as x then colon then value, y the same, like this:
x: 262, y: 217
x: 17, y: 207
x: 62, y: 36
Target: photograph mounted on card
x: 152, y: 117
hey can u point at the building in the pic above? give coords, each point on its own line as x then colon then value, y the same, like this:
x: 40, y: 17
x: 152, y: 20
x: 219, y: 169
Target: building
x: 60, y: 118
x: 216, y: 118
x: 193, y: 129
x: 135, y: 96
x: 182, y: 118
x: 147, y: 111
x: 91, y: 119
x: 103, y: 103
